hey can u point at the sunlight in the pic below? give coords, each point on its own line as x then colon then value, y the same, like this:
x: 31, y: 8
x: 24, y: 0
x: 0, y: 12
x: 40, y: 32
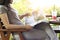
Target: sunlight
x: 43, y: 3
x: 30, y: 5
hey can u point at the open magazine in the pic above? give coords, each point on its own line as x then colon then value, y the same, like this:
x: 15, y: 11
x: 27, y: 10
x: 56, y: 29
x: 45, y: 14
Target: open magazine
x: 32, y: 22
x: 35, y: 23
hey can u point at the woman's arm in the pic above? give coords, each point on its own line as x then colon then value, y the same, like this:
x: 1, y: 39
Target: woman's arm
x: 11, y: 26
x: 22, y: 16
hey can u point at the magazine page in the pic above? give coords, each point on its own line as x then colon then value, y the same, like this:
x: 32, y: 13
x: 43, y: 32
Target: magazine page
x: 37, y: 22
x: 32, y: 22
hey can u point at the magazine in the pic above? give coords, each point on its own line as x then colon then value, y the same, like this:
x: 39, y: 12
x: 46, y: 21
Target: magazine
x: 32, y: 22
x: 35, y: 23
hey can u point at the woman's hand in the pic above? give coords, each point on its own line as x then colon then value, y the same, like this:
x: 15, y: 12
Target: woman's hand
x: 28, y: 27
x: 27, y: 14
x: 24, y: 15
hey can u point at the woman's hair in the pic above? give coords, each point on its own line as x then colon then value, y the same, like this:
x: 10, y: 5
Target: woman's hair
x: 5, y: 2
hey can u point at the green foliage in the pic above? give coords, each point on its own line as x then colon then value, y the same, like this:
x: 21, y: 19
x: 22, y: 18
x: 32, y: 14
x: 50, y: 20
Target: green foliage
x: 21, y: 6
x: 52, y: 8
x: 58, y: 11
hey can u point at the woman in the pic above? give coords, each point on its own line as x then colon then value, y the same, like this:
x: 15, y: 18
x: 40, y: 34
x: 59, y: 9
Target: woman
x: 41, y: 31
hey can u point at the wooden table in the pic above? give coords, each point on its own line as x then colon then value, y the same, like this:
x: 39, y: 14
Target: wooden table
x: 57, y: 23
x: 54, y: 22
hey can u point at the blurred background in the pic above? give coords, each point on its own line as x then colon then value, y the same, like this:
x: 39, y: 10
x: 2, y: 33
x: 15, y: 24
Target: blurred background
x: 44, y: 6
x: 47, y: 6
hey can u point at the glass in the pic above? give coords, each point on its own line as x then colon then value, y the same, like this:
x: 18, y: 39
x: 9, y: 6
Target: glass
x: 54, y: 15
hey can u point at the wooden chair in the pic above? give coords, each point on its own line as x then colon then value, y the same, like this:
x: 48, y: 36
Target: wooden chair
x: 3, y: 22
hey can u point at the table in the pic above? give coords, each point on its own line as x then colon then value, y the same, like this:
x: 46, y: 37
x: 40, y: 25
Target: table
x: 54, y: 22
x: 57, y: 23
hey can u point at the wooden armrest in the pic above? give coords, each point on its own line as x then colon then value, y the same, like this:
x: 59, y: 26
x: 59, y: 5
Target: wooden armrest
x: 14, y: 30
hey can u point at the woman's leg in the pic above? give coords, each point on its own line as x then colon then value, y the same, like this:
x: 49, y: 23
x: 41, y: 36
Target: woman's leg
x: 47, y: 28
x: 35, y: 34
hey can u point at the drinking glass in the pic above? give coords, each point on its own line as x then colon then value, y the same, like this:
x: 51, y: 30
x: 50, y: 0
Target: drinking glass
x: 54, y: 15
